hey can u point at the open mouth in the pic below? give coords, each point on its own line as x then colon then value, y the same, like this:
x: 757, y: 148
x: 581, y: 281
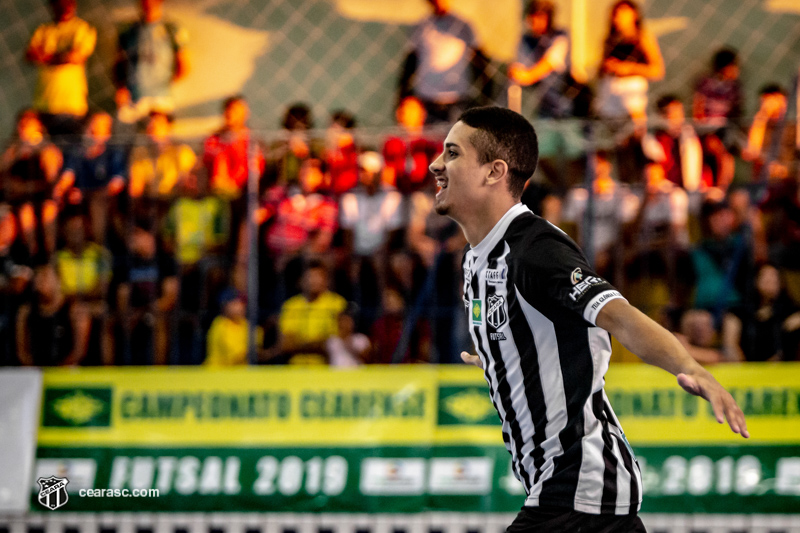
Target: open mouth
x: 441, y: 183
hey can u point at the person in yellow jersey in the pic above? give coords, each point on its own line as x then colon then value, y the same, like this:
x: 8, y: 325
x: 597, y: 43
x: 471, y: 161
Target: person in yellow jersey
x: 309, y: 319
x: 60, y: 49
x: 228, y: 335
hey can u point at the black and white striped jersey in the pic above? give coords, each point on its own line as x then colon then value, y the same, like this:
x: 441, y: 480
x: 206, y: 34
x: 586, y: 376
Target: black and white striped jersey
x: 531, y: 301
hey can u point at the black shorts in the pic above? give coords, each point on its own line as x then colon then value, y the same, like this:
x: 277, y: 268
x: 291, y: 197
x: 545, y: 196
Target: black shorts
x: 556, y: 520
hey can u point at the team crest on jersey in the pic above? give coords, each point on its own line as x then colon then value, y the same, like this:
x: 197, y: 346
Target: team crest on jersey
x: 576, y: 276
x: 496, y: 312
x: 477, y: 312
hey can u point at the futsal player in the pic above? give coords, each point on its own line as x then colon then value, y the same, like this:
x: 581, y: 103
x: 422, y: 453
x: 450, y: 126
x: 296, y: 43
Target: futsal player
x: 540, y: 319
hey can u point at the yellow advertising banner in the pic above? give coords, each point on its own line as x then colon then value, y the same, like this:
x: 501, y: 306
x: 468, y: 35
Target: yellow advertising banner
x: 401, y: 405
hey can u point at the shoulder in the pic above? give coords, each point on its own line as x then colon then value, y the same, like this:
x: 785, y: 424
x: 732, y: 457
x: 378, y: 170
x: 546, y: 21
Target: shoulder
x: 534, y: 242
x: 332, y: 300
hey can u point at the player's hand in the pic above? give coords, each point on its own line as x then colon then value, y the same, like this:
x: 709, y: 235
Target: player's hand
x: 725, y: 407
x: 472, y: 359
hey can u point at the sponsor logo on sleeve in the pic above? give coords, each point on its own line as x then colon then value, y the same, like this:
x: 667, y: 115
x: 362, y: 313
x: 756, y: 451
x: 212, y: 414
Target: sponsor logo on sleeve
x: 581, y: 288
x: 576, y: 276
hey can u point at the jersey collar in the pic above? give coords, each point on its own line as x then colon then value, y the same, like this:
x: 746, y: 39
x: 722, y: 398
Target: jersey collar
x: 490, y: 241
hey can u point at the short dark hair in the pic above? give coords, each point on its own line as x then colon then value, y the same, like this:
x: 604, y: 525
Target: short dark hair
x: 724, y: 57
x: 542, y: 6
x: 663, y: 102
x: 298, y: 114
x: 229, y: 101
x: 771, y: 88
x: 505, y: 135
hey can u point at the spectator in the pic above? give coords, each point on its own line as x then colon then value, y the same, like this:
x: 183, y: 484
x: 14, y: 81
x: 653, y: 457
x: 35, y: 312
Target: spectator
x: 159, y: 165
x: 408, y: 156
x: 681, y: 157
x: 543, y: 62
x: 721, y: 266
x: 699, y: 336
x: 370, y: 217
x: 717, y: 108
x: 348, y: 348
x: 297, y: 152
x: 60, y: 50
x: 614, y: 206
x: 228, y: 156
x: 229, y: 334
x: 771, y: 139
x: 84, y: 267
x: 51, y: 330
x: 442, y: 64
x: 227, y: 153
x: 30, y: 167
x: 14, y: 280
x: 631, y: 59
x: 718, y: 100
x: 146, y: 299
x: 309, y: 319
x: 151, y: 56
x: 301, y: 226
x: 197, y: 223
x: 435, y: 244
x: 94, y: 173
x: 341, y: 153
x: 390, y: 341
x: 772, y: 328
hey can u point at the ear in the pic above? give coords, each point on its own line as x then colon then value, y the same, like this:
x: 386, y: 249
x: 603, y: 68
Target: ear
x: 498, y: 171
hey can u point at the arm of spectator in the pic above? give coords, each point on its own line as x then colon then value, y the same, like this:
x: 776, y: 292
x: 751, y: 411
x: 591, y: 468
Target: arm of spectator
x: 35, y: 53
x: 169, y: 294
x: 23, y: 341
x: 554, y: 60
x: 182, y: 64
x: 755, y: 137
x: 698, y: 106
x: 732, y: 339
x: 406, y: 83
x: 64, y: 184
x: 658, y: 347
x: 51, y: 162
x: 81, y: 325
x: 704, y: 356
x: 82, y: 47
x: 483, y: 80
x: 652, y: 70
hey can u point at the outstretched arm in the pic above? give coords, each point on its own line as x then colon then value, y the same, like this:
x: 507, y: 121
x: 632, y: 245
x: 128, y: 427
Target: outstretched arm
x: 658, y: 347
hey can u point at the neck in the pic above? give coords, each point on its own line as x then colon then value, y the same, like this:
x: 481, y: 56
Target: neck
x: 477, y: 228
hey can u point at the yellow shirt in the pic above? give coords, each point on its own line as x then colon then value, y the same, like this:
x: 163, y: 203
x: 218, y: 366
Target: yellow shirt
x: 196, y: 225
x: 62, y: 89
x: 311, y: 321
x: 227, y: 342
x: 81, y: 274
x: 158, y: 175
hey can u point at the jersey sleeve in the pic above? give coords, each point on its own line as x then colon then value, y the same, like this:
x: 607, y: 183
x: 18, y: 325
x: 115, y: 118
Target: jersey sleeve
x: 556, y: 274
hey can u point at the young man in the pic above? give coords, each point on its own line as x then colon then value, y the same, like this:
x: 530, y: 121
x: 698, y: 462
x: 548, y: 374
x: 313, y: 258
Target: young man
x: 540, y: 319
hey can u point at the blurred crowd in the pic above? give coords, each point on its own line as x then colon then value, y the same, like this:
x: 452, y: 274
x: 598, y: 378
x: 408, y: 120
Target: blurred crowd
x: 120, y: 244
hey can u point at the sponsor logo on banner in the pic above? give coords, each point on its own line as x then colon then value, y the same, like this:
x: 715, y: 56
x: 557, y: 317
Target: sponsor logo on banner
x: 390, y: 477
x: 466, y: 405
x: 496, y: 313
x: 477, y: 312
x: 466, y: 475
x: 53, y: 492
x: 77, y: 407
